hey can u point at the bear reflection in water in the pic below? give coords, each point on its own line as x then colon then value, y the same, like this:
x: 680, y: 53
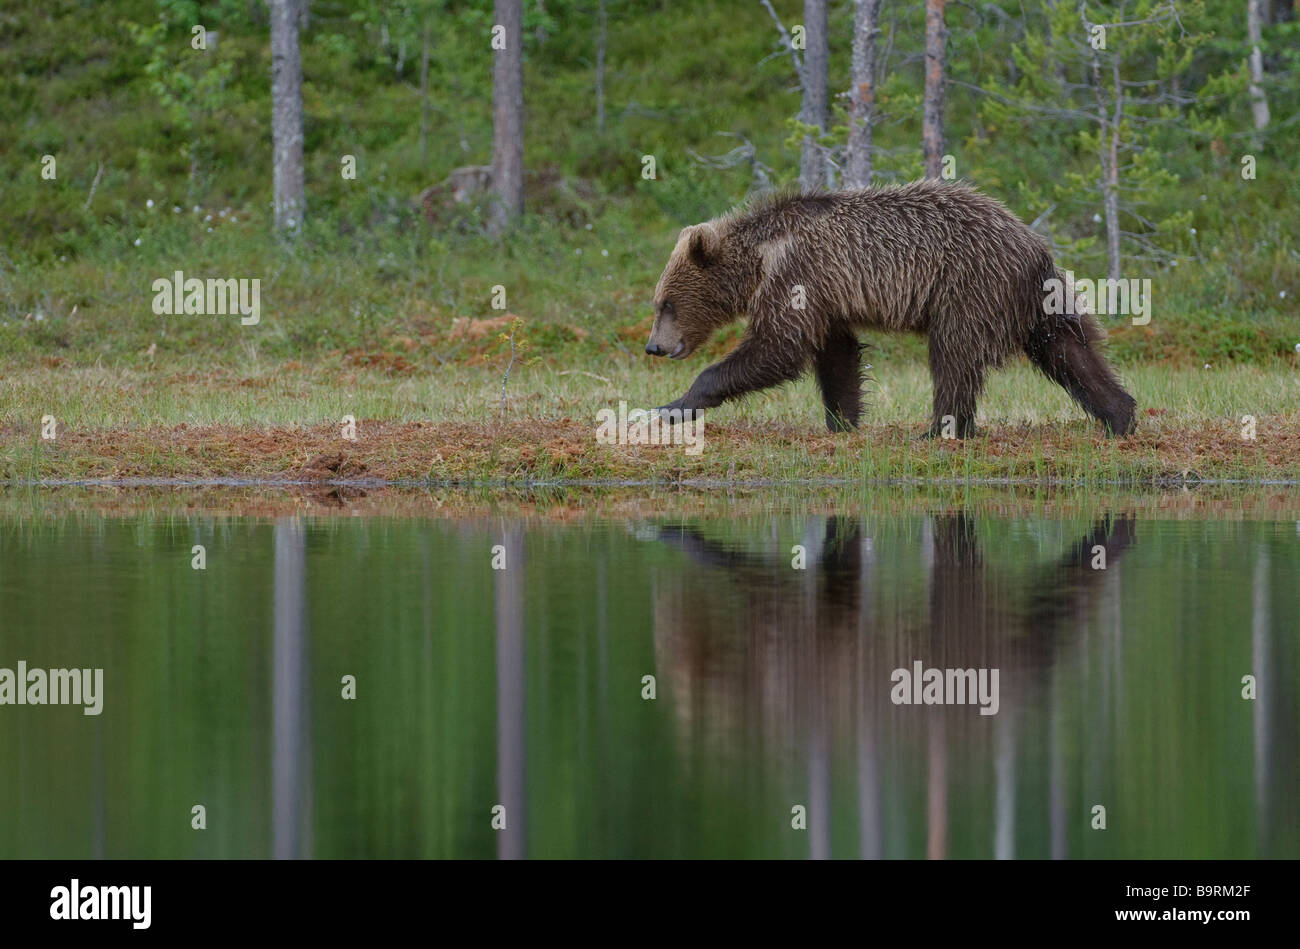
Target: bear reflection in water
x: 757, y: 654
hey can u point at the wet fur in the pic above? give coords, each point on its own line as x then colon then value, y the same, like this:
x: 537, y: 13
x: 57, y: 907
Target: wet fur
x: 930, y: 257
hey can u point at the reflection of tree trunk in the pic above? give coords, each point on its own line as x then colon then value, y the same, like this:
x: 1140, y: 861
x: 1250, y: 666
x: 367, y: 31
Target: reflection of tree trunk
x: 512, y: 841
x: 936, y: 846
x: 819, y: 785
x: 819, y: 778
x: 1115, y: 660
x: 927, y: 550
x: 1056, y: 770
x: 869, y: 818
x: 426, y: 577
x: 941, y: 597
x: 1004, y: 770
x: 1101, y: 740
x: 1259, y: 660
x: 602, y: 691
x: 290, y: 728
x: 431, y: 779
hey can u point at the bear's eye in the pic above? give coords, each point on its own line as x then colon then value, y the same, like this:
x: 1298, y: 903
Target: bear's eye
x: 668, y: 307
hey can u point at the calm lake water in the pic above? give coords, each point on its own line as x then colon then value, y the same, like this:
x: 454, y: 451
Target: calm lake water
x: 1119, y: 639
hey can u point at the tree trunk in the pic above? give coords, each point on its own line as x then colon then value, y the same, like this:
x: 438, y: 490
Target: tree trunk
x: 862, y: 99
x: 508, y: 119
x: 936, y: 38
x: 600, y: 69
x: 1108, y: 140
x: 1055, y: 64
x: 812, y: 164
x: 1258, y: 101
x: 286, y: 115
x: 1112, y: 182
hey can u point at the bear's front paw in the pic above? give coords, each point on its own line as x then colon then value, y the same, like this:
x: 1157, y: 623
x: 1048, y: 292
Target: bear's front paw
x: 673, y: 412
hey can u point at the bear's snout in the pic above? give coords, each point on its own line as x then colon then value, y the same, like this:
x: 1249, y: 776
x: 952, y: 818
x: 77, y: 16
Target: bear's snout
x: 678, y: 351
x: 664, y: 339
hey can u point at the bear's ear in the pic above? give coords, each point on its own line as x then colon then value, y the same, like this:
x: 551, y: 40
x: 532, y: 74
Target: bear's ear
x: 704, y: 245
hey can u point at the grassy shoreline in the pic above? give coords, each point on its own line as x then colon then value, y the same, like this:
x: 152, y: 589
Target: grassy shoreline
x: 283, y: 422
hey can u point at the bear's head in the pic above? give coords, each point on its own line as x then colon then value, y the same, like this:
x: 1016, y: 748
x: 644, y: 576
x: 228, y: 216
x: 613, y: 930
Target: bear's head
x: 694, y: 295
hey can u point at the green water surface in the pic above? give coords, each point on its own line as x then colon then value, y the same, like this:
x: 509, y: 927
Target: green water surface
x: 1120, y: 686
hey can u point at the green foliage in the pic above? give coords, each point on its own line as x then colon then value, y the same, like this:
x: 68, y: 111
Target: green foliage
x: 117, y: 94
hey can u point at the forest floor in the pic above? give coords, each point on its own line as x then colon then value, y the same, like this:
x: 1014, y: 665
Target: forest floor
x: 288, y: 422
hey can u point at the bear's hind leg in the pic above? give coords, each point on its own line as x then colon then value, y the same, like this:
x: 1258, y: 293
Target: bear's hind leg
x: 838, y: 365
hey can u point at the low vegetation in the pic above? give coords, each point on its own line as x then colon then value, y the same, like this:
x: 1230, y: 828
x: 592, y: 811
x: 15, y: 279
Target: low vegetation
x: 377, y: 311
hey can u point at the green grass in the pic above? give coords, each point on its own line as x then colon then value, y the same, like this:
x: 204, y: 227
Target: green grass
x: 264, y: 392
x: 447, y: 425
x: 583, y: 294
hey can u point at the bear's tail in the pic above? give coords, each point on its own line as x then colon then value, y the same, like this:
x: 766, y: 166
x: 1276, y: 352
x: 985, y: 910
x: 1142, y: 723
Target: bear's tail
x: 1064, y: 343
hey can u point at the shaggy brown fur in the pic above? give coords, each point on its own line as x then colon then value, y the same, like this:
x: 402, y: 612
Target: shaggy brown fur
x: 929, y: 257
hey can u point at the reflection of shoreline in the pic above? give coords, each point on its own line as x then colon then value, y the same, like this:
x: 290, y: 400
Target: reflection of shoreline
x: 535, y: 505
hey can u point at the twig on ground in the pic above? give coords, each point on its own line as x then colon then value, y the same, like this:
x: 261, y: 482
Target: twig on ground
x: 585, y: 373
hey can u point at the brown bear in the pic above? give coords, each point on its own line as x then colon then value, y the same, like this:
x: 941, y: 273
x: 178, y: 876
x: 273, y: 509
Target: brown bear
x: 929, y: 257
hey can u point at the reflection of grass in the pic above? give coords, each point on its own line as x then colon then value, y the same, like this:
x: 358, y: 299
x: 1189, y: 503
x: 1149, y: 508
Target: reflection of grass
x: 639, y: 503
x: 273, y: 420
